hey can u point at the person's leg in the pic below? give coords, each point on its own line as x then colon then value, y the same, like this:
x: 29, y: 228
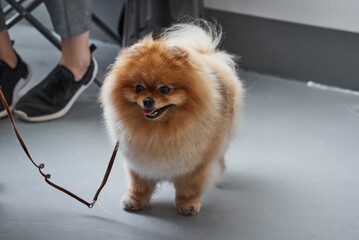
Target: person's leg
x: 158, y: 15
x: 163, y: 13
x: 54, y: 96
x: 76, y: 54
x: 7, y: 53
x: 191, y: 8
x: 71, y: 20
x: 14, y: 73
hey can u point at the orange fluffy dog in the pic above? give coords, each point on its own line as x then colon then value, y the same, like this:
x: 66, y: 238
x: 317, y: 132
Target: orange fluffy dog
x: 173, y: 103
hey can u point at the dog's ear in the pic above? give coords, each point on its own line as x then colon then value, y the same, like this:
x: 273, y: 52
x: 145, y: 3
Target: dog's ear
x: 178, y: 53
x: 140, y: 46
x: 135, y: 49
x: 175, y: 49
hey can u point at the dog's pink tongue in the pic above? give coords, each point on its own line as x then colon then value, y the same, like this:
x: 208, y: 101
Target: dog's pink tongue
x: 148, y: 112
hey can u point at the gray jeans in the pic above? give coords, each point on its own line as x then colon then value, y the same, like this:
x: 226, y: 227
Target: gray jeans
x: 73, y: 17
x: 70, y: 18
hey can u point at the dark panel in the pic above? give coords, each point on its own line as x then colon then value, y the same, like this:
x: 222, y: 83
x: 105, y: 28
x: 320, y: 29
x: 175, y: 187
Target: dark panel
x: 291, y: 50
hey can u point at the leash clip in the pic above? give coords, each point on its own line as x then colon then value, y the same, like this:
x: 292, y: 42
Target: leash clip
x: 92, y: 204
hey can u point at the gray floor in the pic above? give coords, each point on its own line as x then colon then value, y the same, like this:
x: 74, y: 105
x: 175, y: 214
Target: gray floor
x: 292, y: 169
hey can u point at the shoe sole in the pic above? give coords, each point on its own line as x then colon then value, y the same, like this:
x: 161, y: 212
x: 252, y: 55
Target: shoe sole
x: 63, y: 111
x: 20, y: 85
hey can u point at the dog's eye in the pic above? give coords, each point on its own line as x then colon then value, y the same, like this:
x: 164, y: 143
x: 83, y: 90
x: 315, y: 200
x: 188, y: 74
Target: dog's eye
x: 165, y: 90
x: 139, y: 88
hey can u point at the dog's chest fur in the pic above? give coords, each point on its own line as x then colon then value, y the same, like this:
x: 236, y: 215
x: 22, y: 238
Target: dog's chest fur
x: 163, y: 158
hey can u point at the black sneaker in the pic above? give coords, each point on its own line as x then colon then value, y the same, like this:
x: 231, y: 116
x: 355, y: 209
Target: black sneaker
x: 12, y: 80
x: 55, y: 95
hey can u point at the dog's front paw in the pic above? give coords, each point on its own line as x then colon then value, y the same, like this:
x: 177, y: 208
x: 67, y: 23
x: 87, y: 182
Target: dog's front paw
x: 131, y: 204
x: 189, y: 208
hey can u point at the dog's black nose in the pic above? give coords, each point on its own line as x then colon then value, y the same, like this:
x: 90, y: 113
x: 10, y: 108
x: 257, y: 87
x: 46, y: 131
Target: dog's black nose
x: 148, y: 103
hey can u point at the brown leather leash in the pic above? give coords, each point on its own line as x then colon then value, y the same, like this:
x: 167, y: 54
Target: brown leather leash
x: 48, y: 176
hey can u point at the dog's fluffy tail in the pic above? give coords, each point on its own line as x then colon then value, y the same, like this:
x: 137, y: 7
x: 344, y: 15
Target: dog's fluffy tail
x: 199, y: 35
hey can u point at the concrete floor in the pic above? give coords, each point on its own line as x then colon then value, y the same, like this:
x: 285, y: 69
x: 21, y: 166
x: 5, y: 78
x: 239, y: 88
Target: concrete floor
x: 292, y: 169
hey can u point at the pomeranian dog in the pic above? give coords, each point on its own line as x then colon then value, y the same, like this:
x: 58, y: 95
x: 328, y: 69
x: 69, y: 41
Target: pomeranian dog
x: 172, y: 103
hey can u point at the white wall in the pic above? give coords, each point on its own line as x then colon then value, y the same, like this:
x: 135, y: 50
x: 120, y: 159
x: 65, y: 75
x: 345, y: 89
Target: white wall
x: 335, y: 14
